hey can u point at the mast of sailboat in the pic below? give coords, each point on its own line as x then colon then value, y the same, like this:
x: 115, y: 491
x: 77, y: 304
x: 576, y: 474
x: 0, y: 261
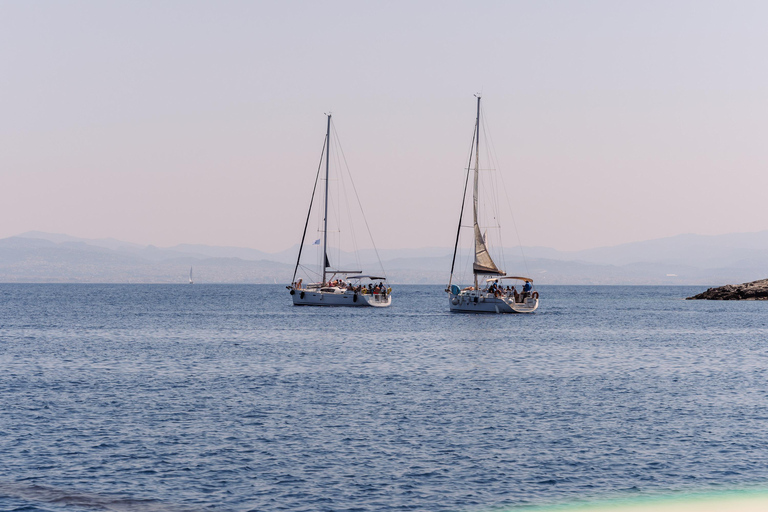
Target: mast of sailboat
x: 483, y: 262
x: 477, y: 173
x: 325, y: 216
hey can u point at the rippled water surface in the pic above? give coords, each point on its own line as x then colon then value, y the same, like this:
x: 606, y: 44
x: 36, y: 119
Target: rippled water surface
x: 152, y: 397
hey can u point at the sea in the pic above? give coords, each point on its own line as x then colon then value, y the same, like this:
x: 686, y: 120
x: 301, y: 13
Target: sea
x: 229, y: 398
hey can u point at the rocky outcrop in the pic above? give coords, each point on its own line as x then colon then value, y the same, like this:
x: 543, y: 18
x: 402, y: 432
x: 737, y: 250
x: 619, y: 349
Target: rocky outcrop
x: 756, y: 290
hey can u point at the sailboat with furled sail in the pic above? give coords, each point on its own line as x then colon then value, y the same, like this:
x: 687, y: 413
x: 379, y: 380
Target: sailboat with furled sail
x: 493, y: 291
x: 330, y: 284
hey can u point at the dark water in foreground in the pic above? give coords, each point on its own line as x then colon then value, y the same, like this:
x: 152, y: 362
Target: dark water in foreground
x: 151, y: 397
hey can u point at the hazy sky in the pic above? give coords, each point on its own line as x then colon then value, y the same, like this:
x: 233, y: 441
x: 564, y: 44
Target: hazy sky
x: 202, y: 122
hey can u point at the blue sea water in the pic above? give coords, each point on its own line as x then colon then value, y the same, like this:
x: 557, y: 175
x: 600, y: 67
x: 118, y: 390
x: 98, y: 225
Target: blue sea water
x: 216, y: 397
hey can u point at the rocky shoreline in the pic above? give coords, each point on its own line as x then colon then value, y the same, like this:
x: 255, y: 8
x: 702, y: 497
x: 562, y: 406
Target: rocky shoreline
x: 756, y: 290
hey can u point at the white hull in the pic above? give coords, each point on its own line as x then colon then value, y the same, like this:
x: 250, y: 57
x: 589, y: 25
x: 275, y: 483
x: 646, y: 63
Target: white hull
x: 348, y: 299
x: 487, y: 303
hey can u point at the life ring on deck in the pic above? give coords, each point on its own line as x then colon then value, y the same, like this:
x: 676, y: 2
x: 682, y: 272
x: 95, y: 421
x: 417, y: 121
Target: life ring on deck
x: 535, y: 295
x: 301, y: 295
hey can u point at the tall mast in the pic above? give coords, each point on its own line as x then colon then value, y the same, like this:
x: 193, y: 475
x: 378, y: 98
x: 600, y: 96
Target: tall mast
x: 325, y: 217
x: 477, y: 173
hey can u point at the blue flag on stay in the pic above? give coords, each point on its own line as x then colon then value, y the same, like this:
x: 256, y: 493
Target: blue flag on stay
x: 316, y: 242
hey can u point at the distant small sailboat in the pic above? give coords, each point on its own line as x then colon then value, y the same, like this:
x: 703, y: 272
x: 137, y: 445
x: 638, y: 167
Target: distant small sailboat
x: 190, y: 276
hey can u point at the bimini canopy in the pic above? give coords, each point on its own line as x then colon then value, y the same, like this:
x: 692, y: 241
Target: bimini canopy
x: 372, y: 278
x: 526, y: 279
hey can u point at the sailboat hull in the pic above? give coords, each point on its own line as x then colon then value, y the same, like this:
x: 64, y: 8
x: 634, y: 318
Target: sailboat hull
x: 314, y: 298
x: 488, y: 304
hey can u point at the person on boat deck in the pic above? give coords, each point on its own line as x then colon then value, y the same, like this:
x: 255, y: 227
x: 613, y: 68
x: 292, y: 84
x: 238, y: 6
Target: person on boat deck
x: 527, y: 289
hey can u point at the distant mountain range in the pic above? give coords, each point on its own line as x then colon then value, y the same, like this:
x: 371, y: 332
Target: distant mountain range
x: 683, y: 259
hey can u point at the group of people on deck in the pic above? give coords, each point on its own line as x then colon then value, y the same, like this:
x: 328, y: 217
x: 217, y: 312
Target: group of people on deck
x: 510, y: 291
x: 372, y: 288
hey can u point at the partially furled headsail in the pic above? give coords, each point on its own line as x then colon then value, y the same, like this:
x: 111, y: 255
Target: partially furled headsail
x: 483, y: 262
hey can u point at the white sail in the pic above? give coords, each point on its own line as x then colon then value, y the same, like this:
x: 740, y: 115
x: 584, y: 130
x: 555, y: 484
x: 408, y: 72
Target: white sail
x: 483, y: 262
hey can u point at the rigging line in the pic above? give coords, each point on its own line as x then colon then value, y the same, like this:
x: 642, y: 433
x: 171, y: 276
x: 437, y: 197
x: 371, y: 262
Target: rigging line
x: 335, y: 205
x: 337, y: 210
x: 492, y: 145
x: 346, y: 202
x: 360, y: 204
x: 319, y: 232
x: 490, y: 185
x: 488, y: 216
x: 493, y: 172
x: 353, y: 235
x: 312, y: 199
x: 309, y: 271
x: 463, y: 200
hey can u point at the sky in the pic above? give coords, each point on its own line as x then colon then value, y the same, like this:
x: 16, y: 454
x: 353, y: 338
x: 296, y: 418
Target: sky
x: 202, y: 122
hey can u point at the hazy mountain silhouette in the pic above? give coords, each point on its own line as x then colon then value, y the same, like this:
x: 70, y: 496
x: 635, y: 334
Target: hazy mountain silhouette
x: 683, y: 259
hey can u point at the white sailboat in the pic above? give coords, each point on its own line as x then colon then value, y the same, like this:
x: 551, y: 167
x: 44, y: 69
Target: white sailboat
x: 490, y: 292
x: 334, y: 286
x: 190, y: 276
